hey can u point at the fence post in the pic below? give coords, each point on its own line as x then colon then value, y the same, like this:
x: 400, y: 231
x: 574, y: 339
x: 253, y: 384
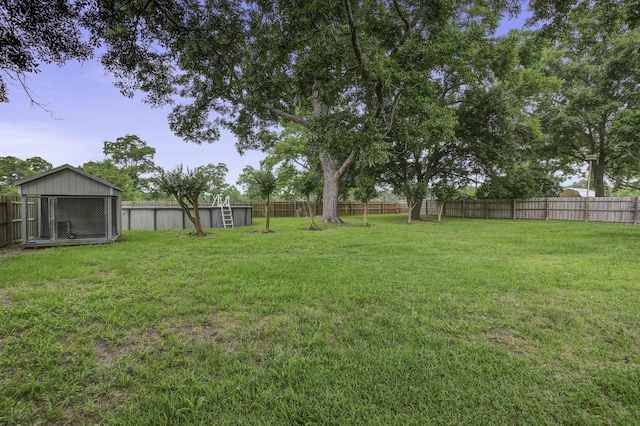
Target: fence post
x: 586, y: 209
x: 635, y: 216
x: 515, y: 212
x: 25, y: 218
x: 486, y: 209
x: 8, y: 200
x: 464, y: 206
x: 546, y: 208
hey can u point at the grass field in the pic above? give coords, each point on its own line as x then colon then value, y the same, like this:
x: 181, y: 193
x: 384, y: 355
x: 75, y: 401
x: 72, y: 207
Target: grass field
x: 461, y: 322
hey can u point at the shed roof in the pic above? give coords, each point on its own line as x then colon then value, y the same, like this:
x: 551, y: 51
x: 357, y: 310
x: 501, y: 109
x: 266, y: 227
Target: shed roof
x: 65, y: 180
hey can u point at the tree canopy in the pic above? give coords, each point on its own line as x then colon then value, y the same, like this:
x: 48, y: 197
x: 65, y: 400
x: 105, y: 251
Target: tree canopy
x: 422, y: 91
x: 134, y: 156
x: 591, y: 112
x: 13, y: 169
x: 340, y: 69
x: 35, y: 32
x: 185, y: 186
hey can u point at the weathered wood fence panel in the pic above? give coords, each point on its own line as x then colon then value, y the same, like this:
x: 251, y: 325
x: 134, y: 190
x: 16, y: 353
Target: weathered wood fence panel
x: 533, y: 208
x: 605, y: 209
x: 11, y: 219
x: 158, y: 215
x: 299, y: 208
x: 5, y: 220
x: 616, y: 210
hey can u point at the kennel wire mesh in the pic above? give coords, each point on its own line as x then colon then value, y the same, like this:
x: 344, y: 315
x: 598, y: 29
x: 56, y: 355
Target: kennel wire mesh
x: 80, y: 218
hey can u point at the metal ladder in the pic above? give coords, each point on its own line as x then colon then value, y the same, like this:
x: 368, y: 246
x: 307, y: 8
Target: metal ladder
x: 225, y: 209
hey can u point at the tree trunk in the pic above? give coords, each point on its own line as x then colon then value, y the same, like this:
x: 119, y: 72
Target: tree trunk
x: 366, y: 210
x: 598, y: 178
x: 194, y: 218
x: 332, y: 174
x: 196, y: 221
x: 414, y: 209
x: 267, y: 215
x: 313, y: 227
x: 440, y: 210
x: 330, y: 198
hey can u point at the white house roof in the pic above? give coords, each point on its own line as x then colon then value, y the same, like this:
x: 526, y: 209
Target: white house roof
x: 583, y: 192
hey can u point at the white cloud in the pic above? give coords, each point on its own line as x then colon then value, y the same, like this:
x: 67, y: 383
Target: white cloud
x: 34, y: 139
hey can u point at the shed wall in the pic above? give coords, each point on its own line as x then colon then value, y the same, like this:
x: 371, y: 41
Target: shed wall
x: 66, y: 182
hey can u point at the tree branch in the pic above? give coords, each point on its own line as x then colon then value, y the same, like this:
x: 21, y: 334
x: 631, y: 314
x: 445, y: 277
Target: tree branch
x: 285, y: 115
x: 353, y: 29
x: 347, y: 163
x: 407, y: 26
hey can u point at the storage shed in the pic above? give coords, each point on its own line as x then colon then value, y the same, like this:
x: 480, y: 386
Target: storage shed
x: 73, y: 207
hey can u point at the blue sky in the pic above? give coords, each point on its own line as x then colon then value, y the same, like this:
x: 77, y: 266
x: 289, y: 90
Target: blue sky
x: 87, y: 109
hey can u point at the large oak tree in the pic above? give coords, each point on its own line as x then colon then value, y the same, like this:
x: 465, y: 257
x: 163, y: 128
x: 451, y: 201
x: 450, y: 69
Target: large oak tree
x: 590, y: 114
x: 338, y: 68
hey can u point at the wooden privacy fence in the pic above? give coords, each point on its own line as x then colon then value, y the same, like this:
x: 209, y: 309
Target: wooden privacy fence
x: 11, y: 219
x: 293, y: 208
x: 299, y: 208
x: 612, y: 210
x: 605, y: 209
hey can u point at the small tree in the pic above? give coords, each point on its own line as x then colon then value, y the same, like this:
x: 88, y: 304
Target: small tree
x: 186, y: 187
x: 443, y: 192
x: 415, y: 193
x: 448, y: 187
x: 265, y: 183
x: 247, y: 183
x: 307, y: 184
x: 365, y: 191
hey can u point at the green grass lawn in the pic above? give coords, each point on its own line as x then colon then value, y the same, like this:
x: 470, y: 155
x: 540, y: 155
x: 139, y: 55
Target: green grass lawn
x: 461, y: 322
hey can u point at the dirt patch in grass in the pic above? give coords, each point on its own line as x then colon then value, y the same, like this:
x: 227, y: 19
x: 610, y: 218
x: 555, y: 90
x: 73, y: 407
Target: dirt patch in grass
x: 228, y: 330
x: 92, y: 414
x: 107, y: 355
x: 137, y: 340
x: 13, y: 250
x: 511, y: 341
x: 207, y: 333
x: 222, y: 328
x: 194, y: 235
x: 271, y: 327
x: 6, y: 301
x: 224, y: 320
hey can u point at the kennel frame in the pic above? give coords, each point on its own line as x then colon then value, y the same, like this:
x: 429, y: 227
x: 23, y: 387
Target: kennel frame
x: 71, y: 185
